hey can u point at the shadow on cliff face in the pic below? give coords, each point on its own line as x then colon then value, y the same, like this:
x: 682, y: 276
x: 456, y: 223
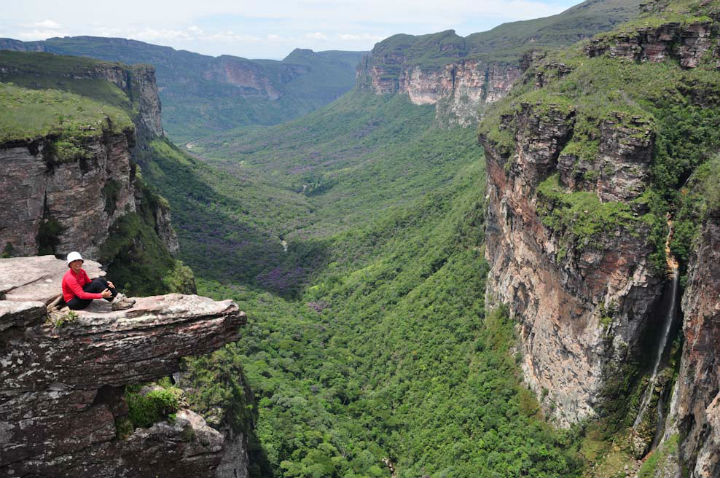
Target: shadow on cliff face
x: 646, y: 348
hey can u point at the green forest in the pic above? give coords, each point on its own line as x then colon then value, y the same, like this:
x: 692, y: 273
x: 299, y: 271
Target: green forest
x: 368, y: 343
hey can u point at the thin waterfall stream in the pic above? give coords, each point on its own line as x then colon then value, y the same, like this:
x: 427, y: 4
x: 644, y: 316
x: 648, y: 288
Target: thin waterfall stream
x: 669, y: 316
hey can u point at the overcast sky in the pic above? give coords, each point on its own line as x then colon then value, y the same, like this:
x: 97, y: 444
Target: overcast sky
x: 261, y: 29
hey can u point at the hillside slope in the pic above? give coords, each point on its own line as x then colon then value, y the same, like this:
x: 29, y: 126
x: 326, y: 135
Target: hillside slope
x: 203, y: 94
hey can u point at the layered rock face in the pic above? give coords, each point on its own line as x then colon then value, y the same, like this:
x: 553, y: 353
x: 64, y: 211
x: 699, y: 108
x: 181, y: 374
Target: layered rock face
x: 61, y: 390
x: 79, y: 199
x: 63, y: 200
x: 695, y: 412
x: 251, y: 78
x: 686, y: 42
x: 584, y: 297
x: 580, y: 309
x: 458, y: 89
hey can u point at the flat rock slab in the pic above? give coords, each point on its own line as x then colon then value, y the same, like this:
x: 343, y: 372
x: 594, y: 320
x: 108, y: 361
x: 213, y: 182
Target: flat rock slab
x: 37, y: 278
x: 150, y: 312
x: 20, y: 314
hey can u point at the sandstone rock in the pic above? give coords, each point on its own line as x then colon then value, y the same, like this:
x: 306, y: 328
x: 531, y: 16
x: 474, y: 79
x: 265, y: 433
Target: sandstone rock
x: 75, y: 195
x: 559, y: 303
x: 458, y: 89
x: 684, y: 42
x: 695, y: 410
x: 61, y: 387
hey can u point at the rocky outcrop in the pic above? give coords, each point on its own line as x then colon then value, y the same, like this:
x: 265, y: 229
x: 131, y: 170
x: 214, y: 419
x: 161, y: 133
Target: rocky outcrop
x: 61, y: 381
x: 695, y: 412
x: 685, y: 42
x: 62, y: 205
x: 580, y: 303
x: 458, y: 88
x: 251, y: 78
x: 140, y: 86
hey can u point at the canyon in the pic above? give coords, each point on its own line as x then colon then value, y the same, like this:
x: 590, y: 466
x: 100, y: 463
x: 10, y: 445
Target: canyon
x: 503, y: 310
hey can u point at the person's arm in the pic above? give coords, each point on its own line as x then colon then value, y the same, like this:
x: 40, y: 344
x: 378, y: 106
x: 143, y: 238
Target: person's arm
x: 79, y: 292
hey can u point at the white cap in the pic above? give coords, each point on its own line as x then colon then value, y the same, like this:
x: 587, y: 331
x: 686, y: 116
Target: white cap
x: 74, y: 256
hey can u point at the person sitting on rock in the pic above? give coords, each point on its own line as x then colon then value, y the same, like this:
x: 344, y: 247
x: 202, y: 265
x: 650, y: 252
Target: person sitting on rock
x: 79, y: 291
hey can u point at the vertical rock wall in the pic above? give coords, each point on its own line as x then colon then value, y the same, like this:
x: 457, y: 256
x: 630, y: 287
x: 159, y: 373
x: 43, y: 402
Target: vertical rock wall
x: 458, y: 89
x: 581, y: 310
x: 75, y: 201
x: 695, y: 412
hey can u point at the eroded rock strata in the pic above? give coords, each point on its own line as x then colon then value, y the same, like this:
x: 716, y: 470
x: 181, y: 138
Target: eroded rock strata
x: 560, y: 298
x: 62, y: 386
x: 38, y: 188
x: 587, y: 299
x: 458, y: 88
x: 695, y: 413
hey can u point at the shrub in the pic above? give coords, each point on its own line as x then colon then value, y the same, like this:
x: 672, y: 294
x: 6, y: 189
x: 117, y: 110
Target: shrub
x: 155, y: 406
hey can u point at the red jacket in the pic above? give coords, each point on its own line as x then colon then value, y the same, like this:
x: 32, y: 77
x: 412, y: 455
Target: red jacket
x: 72, y: 286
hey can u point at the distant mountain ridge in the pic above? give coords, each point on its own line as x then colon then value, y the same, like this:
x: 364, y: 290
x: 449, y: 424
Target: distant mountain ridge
x: 203, y: 93
x: 459, y: 74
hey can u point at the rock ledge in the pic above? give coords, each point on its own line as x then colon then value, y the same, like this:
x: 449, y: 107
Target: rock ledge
x: 61, y: 387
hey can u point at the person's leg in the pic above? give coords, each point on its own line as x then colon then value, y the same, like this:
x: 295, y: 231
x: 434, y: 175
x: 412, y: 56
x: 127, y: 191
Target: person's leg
x: 76, y: 303
x: 99, y: 284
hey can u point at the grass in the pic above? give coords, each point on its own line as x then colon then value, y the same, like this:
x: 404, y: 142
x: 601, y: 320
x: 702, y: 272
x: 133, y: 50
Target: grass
x: 144, y: 410
x: 27, y: 115
x: 581, y: 217
x: 658, y: 458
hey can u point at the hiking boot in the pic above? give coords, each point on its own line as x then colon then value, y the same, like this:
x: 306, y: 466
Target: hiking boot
x: 121, y: 302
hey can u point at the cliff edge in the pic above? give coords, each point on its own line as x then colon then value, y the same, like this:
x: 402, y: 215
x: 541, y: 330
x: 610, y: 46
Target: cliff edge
x: 63, y: 379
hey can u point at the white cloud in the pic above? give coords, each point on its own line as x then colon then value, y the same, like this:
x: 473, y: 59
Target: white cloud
x: 316, y: 36
x: 33, y: 35
x: 48, y: 24
x: 360, y: 37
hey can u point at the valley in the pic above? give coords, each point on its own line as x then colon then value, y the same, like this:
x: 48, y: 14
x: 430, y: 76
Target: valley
x: 454, y: 263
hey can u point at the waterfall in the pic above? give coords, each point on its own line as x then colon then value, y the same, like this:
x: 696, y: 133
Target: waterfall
x: 669, y: 316
x: 661, y: 348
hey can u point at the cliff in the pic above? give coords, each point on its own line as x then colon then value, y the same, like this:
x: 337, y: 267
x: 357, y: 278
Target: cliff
x: 80, y: 198
x: 457, y: 85
x: 561, y: 290
x: 587, y: 158
x: 696, y: 403
x: 62, y: 402
x: 461, y: 74
x: 458, y: 88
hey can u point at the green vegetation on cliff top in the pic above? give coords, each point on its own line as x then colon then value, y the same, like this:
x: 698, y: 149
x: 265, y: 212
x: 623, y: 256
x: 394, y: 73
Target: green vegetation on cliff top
x: 509, y: 41
x: 26, y: 115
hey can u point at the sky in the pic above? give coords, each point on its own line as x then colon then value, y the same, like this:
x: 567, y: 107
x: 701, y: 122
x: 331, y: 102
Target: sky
x: 261, y: 29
